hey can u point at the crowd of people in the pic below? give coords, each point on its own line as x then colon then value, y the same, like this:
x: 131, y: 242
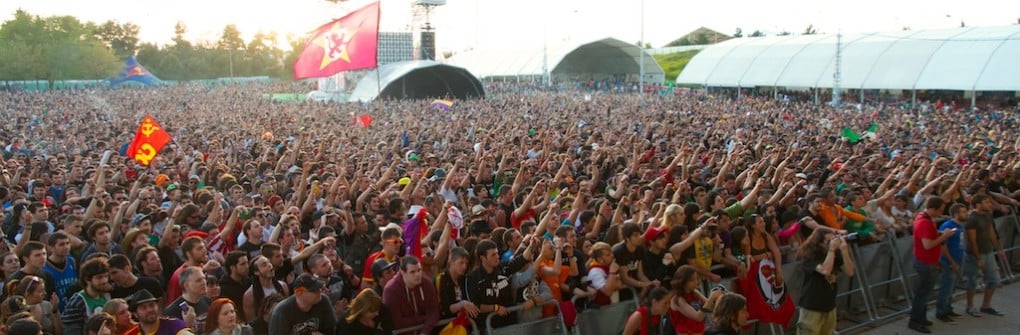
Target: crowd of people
x: 293, y: 218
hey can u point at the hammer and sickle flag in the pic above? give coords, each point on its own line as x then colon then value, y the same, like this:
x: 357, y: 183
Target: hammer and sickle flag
x: 150, y: 138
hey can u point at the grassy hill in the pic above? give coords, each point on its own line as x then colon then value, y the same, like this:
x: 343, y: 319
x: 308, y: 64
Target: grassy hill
x: 673, y: 63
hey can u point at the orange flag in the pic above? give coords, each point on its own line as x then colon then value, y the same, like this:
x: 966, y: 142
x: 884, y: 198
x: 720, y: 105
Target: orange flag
x: 150, y: 138
x: 347, y: 43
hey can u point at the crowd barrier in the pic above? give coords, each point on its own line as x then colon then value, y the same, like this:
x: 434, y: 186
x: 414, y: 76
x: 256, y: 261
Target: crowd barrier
x: 879, y: 291
x: 882, y: 286
x: 549, y: 325
x: 605, y: 319
x: 439, y: 325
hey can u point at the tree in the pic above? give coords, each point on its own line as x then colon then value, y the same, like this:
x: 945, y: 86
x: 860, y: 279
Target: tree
x: 810, y: 30
x: 179, y: 30
x: 52, y: 48
x: 963, y: 24
x: 757, y: 33
x: 230, y: 39
x: 784, y: 33
x: 122, y: 39
x: 739, y: 33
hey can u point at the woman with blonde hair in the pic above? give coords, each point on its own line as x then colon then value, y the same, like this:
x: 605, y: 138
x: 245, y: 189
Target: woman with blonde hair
x: 361, y: 315
x: 674, y: 215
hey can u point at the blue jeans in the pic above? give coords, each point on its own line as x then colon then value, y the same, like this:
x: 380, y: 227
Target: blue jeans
x: 926, y: 276
x: 944, y: 298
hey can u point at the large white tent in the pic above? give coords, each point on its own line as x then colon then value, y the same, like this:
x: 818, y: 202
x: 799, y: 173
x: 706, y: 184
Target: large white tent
x: 417, y: 80
x: 966, y: 59
x: 599, y: 59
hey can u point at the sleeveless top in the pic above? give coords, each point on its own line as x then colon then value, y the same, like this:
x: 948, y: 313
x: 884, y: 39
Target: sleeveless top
x: 681, y: 323
x: 647, y: 319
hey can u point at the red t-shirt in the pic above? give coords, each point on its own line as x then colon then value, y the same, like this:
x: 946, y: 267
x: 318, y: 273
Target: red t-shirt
x: 366, y: 275
x: 925, y: 228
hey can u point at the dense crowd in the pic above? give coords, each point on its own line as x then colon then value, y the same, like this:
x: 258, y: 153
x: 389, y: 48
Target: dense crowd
x: 273, y: 218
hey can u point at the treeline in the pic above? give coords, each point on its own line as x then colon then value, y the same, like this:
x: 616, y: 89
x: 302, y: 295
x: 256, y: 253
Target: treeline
x: 65, y: 48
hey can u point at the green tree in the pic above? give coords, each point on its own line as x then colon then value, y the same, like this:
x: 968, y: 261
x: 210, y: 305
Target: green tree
x: 52, y: 48
x: 230, y: 39
x: 122, y: 39
x: 757, y: 33
x: 739, y: 33
x: 784, y: 33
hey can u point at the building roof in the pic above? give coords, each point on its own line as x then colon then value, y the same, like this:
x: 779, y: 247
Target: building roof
x: 607, y: 56
x: 969, y: 59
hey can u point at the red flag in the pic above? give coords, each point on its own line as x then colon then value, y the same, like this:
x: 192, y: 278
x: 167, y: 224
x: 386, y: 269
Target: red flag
x: 347, y: 43
x: 363, y: 120
x: 150, y: 138
x: 766, y: 301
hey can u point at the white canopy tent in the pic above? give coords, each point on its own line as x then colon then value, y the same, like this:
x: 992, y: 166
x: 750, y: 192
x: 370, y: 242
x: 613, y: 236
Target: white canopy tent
x: 965, y: 59
x: 603, y: 58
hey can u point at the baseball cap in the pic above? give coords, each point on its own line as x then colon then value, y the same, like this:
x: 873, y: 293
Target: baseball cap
x: 381, y: 265
x: 653, y: 233
x: 138, y: 218
x: 307, y: 282
x: 171, y: 187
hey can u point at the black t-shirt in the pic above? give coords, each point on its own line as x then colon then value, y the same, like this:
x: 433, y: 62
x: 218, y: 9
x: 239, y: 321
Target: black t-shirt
x: 250, y: 249
x: 628, y: 260
x: 284, y: 270
x: 817, y: 293
x: 980, y: 223
x: 201, y: 308
x: 653, y: 267
x: 147, y: 283
x: 287, y: 318
x: 233, y: 290
x: 170, y: 260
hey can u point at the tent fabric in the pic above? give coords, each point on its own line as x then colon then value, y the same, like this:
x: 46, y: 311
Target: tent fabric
x: 597, y: 59
x: 417, y: 80
x: 967, y: 59
x: 133, y: 72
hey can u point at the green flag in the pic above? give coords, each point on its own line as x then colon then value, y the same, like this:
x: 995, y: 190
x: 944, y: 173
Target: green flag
x: 851, y: 136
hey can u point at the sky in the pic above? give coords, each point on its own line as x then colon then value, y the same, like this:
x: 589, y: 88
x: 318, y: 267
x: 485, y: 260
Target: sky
x: 489, y: 24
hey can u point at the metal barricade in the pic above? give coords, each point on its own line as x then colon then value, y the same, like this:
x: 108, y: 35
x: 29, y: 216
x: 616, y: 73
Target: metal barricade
x: 549, y: 325
x: 605, y: 319
x: 851, y: 309
x: 881, y: 268
x: 1007, y: 227
x: 439, y: 325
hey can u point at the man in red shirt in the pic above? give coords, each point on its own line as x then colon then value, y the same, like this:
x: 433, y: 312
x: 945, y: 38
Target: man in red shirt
x: 927, y: 249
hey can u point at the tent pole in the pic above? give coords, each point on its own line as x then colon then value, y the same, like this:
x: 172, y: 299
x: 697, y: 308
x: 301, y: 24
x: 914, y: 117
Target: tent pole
x: 378, y: 91
x: 913, y: 98
x: 775, y: 93
x: 973, y: 100
x: 816, y: 96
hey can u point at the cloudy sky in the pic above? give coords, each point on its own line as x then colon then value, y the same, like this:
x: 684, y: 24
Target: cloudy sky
x: 490, y: 24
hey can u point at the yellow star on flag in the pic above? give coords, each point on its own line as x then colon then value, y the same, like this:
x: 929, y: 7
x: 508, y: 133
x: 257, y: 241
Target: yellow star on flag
x: 334, y: 44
